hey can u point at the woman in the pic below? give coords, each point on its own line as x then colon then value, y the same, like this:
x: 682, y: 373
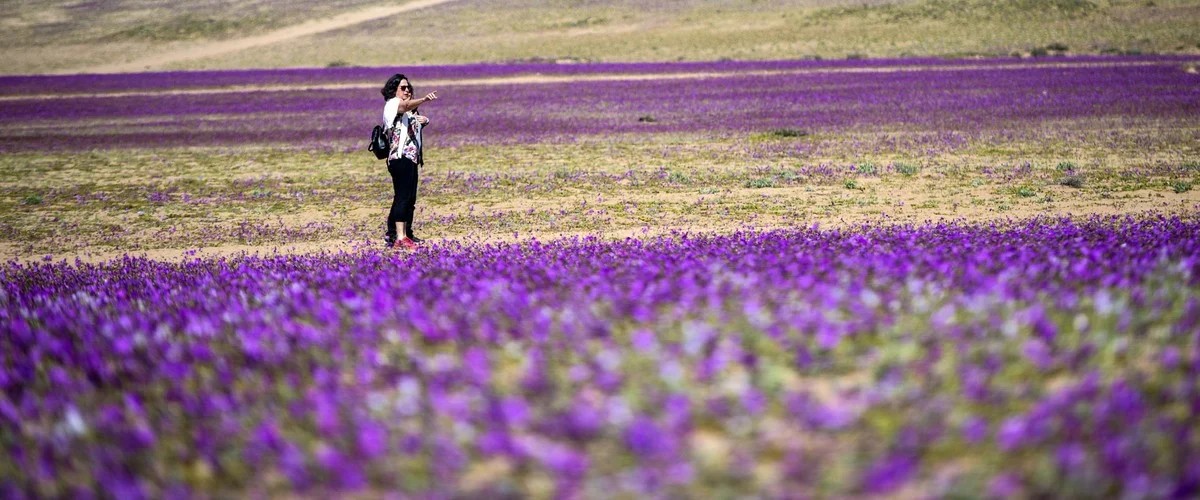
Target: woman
x: 400, y: 113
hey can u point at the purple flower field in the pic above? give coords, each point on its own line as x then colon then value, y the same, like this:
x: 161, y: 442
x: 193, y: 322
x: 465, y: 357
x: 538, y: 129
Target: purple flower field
x: 101, y: 83
x: 970, y: 99
x: 1043, y: 357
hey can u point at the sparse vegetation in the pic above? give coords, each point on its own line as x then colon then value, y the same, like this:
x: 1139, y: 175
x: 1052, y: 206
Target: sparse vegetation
x: 907, y: 169
x: 550, y: 30
x: 1072, y: 181
x: 761, y: 182
x: 184, y: 27
x: 789, y: 132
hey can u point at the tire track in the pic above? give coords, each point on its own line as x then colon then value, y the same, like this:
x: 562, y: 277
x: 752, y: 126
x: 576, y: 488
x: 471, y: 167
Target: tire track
x: 281, y: 35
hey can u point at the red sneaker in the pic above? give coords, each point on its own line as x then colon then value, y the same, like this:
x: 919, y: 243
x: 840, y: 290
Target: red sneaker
x: 405, y: 243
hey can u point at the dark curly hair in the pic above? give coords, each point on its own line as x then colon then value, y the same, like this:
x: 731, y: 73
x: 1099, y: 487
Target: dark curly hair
x: 393, y: 84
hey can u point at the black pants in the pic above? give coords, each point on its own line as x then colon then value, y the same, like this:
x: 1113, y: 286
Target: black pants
x: 404, y: 201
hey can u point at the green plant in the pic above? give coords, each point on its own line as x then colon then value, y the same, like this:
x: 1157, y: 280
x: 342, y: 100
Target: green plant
x: 677, y: 178
x: 1182, y: 187
x: 850, y: 184
x: 868, y: 169
x: 33, y: 199
x: 762, y: 182
x: 907, y: 169
x: 1026, y: 192
x: 1065, y: 166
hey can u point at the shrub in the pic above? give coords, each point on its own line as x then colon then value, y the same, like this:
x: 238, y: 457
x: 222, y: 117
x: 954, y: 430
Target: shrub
x: 1072, y: 181
x: 33, y: 199
x: 867, y: 169
x: 788, y: 132
x: 850, y: 184
x: 1065, y: 166
x: 1183, y: 187
x: 907, y: 169
x: 1026, y: 192
x: 762, y: 182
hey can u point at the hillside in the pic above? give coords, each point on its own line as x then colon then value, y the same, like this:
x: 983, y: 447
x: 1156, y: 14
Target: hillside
x: 128, y: 35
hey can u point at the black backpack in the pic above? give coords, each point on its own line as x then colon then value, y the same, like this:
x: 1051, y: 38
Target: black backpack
x: 381, y: 140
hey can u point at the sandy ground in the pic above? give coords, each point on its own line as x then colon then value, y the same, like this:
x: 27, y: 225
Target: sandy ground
x: 906, y: 203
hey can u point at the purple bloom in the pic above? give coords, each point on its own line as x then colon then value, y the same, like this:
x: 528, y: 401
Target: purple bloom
x: 307, y: 365
x: 1004, y: 485
x: 643, y: 341
x: 295, y: 465
x: 646, y: 439
x: 372, y: 439
x: 1071, y: 456
x: 1038, y: 353
x: 974, y: 429
x: 889, y: 473
x: 1013, y: 433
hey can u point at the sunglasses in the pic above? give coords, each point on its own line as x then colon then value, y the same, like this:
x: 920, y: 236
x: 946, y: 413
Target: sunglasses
x: 406, y: 87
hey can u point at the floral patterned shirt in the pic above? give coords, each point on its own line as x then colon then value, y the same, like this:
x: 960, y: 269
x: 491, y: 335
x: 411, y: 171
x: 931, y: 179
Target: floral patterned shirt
x: 406, y: 135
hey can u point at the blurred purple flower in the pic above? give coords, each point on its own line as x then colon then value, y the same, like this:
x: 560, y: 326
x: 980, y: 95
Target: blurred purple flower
x: 646, y: 439
x: 1012, y: 433
x: 1005, y: 485
x: 974, y: 429
x: 889, y: 473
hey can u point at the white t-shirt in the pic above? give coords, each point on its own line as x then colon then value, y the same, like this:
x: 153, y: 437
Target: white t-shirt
x: 389, y: 111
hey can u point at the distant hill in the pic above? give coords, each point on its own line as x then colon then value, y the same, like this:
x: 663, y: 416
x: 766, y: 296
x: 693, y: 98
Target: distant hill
x: 134, y: 35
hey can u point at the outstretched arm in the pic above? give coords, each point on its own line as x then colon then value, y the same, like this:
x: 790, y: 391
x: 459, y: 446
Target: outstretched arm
x: 409, y: 105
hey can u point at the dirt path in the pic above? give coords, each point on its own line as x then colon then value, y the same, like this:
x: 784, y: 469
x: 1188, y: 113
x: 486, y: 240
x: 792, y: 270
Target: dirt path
x: 537, y: 78
x: 212, y: 49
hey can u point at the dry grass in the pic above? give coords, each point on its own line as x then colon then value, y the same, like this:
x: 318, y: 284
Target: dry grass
x: 167, y: 203
x: 55, y: 37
